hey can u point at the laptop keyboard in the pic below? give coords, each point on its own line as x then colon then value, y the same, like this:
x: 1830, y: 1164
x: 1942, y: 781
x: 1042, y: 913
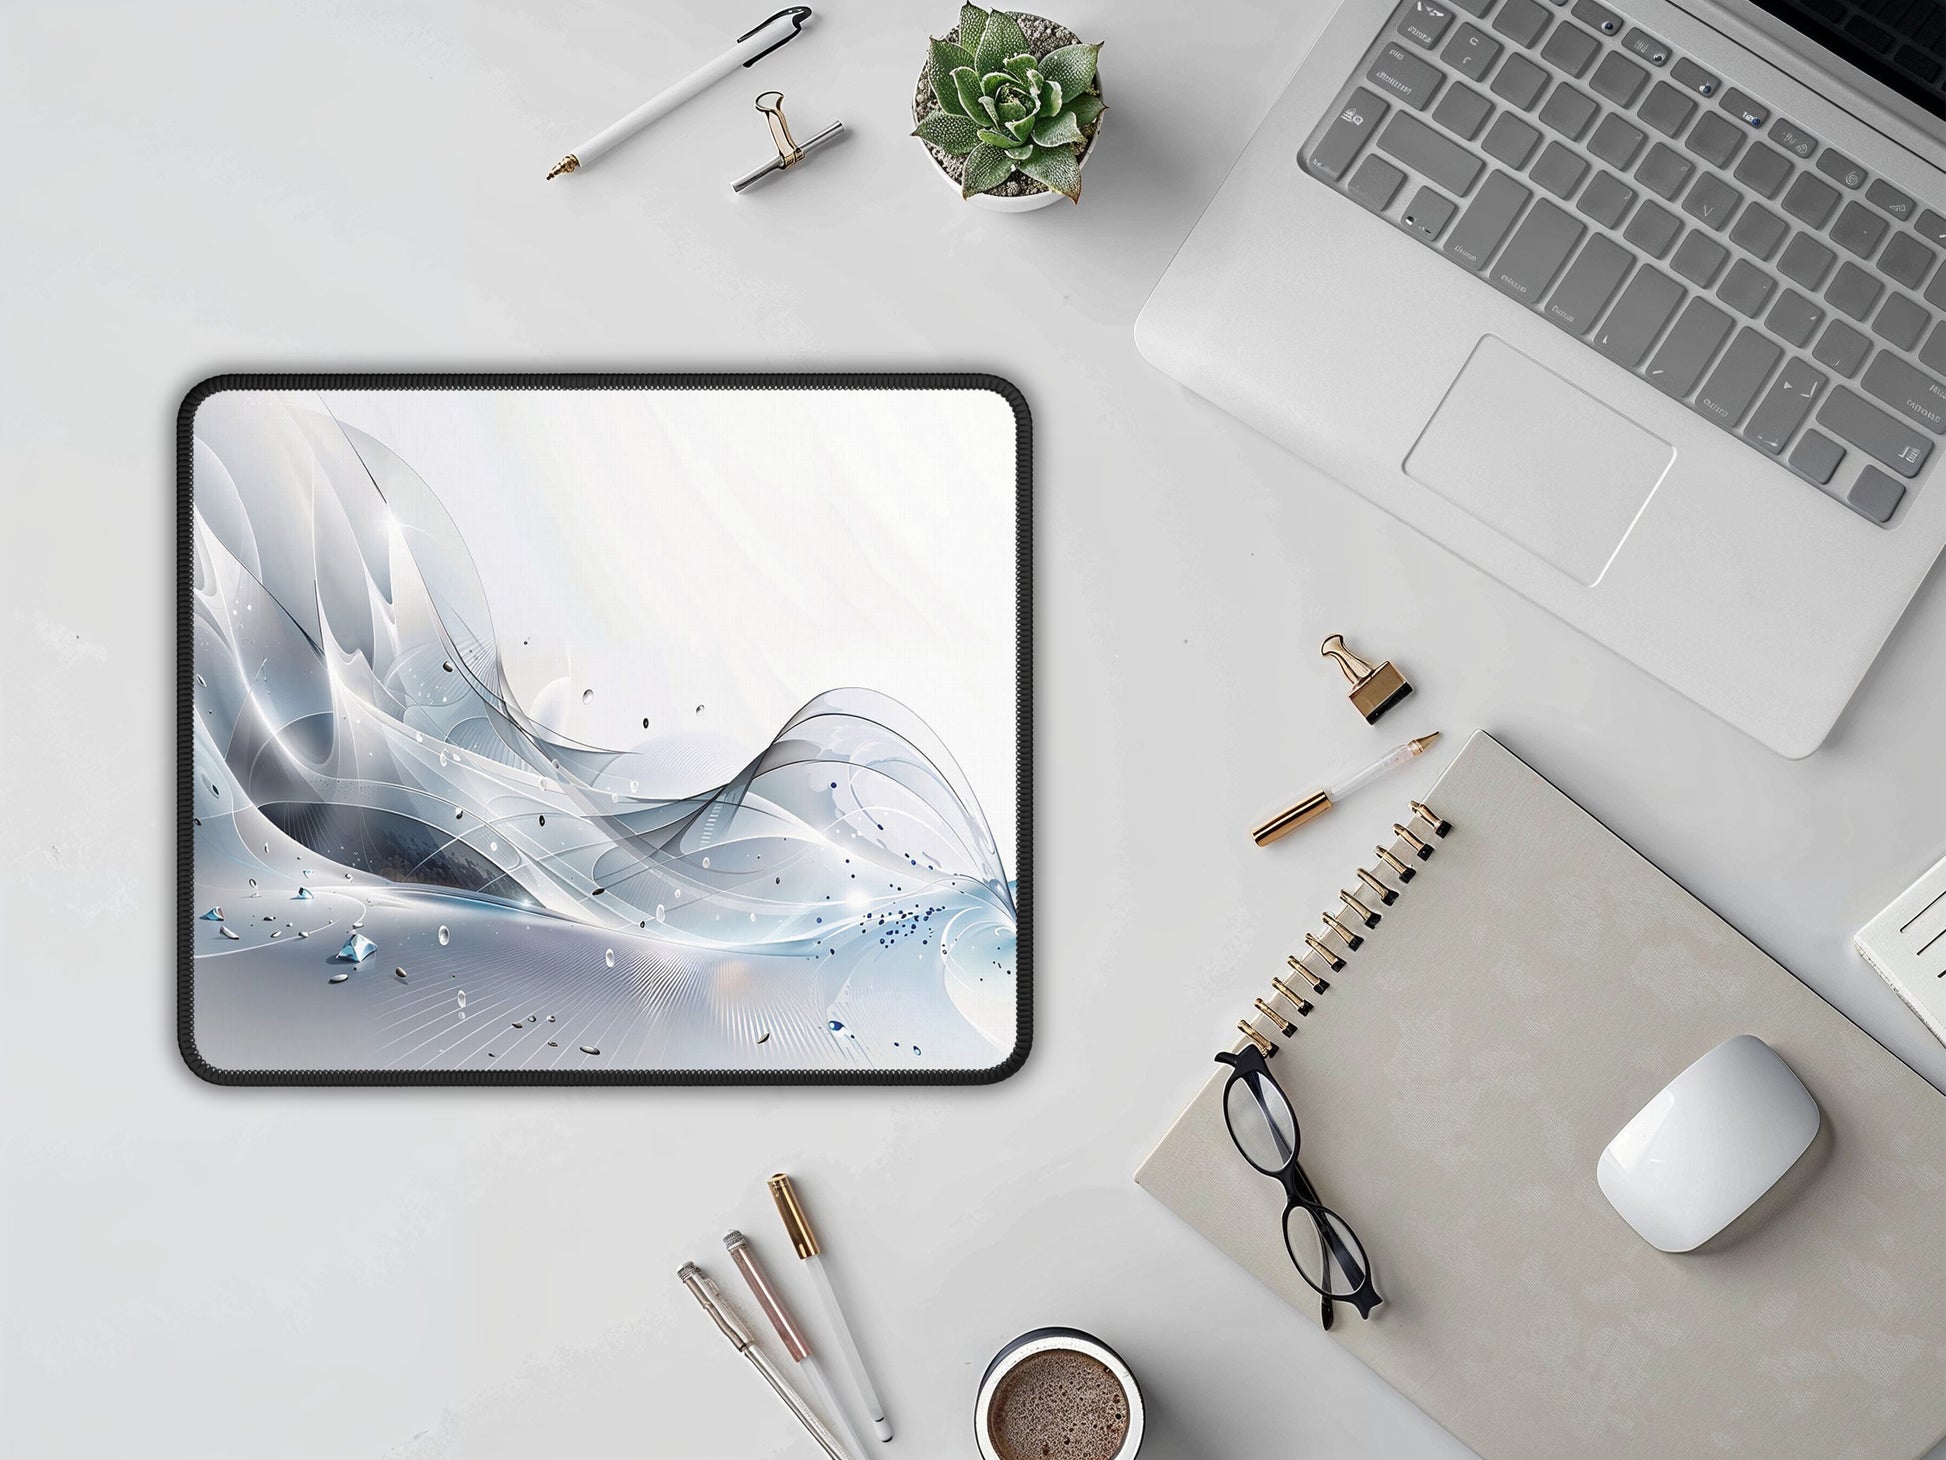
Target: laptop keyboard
x: 1667, y: 218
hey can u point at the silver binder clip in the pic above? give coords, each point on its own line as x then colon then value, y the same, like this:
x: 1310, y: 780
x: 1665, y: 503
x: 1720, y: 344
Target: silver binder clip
x: 789, y: 152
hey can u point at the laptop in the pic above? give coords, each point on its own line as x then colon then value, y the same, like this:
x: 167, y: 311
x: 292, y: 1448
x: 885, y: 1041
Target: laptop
x: 1640, y: 309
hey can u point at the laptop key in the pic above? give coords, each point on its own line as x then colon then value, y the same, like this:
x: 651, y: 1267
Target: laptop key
x: 1570, y: 49
x: 1758, y: 231
x: 1908, y: 390
x: 1687, y: 73
x: 1642, y: 44
x: 1810, y: 201
x: 1510, y: 140
x: 1521, y: 21
x: 1471, y: 52
x: 1436, y: 157
x: 1794, y: 318
x: 1667, y: 109
x: 1785, y: 405
x: 1700, y: 259
x: 1816, y: 457
x: 1842, y: 170
x: 1589, y: 284
x: 1619, y: 79
x: 1568, y: 111
x: 1520, y: 83
x: 1906, y: 260
x: 1597, y: 17
x: 1665, y: 171
x: 1536, y: 252
x: 1486, y: 221
x: 1375, y: 183
x: 1901, y: 321
x: 1745, y: 108
x: 1405, y: 77
x: 1616, y: 142
x: 1746, y: 288
x: 1881, y: 194
x: 1607, y: 200
x: 1875, y: 495
x: 1475, y: 8
x: 1559, y: 171
x: 1638, y: 317
x: 1691, y: 345
x: 1932, y: 225
x: 1715, y: 139
x: 1841, y: 348
x: 1425, y: 23
x: 1855, y: 420
x: 1859, y: 230
x: 1737, y: 378
x: 1806, y: 261
x: 1933, y: 354
x: 1712, y: 202
x: 1356, y: 121
x: 1853, y: 291
x: 1764, y: 170
x: 1653, y: 229
x: 1793, y: 139
x: 1427, y: 215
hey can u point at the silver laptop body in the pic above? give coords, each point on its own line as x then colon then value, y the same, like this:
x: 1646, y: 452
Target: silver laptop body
x: 1640, y: 309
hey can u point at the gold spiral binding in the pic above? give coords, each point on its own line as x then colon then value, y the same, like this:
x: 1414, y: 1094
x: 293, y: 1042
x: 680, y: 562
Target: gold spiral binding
x: 1264, y: 1046
x: 1358, y: 910
x: 1420, y: 849
x: 1351, y: 940
x: 1386, y: 895
x: 1399, y: 869
x: 1292, y: 997
x: 1277, y: 1021
x: 1303, y: 970
x: 1331, y: 960
x: 1440, y: 826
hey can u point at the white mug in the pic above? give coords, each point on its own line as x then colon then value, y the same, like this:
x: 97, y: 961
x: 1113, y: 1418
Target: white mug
x: 1055, y: 1340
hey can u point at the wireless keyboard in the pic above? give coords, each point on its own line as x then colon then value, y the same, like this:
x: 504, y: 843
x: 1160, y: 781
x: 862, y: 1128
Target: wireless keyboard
x: 1666, y: 217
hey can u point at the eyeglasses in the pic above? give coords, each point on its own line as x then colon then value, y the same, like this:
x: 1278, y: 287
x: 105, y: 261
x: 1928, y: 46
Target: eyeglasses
x: 1322, y: 1246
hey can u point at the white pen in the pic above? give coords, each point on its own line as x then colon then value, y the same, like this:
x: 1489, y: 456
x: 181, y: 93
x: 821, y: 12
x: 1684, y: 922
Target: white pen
x: 792, y: 1337
x: 805, y: 1241
x: 747, y: 50
x: 1319, y: 802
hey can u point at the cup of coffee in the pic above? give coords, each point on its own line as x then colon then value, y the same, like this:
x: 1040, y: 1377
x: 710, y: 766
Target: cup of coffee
x: 1058, y: 1394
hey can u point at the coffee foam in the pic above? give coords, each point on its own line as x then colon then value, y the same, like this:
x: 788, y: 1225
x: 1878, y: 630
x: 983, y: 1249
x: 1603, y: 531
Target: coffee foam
x: 1058, y: 1405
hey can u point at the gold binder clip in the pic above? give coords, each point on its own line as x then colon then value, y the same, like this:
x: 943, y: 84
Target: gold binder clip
x: 1331, y: 960
x: 1277, y: 1021
x: 1399, y: 869
x: 1264, y: 1046
x: 1299, y: 967
x: 1374, y: 689
x: 789, y: 153
x: 1420, y: 849
x: 1440, y: 826
x: 1386, y: 895
x: 1346, y: 936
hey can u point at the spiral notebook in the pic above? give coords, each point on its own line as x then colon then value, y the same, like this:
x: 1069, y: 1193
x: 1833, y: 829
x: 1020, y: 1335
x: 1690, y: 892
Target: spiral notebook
x: 1505, y: 1012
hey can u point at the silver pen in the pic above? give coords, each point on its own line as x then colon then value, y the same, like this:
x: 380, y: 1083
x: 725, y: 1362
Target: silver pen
x: 792, y: 1337
x: 707, y: 1293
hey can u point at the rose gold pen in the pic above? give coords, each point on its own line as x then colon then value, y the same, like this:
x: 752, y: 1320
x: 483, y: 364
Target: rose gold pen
x: 792, y: 1337
x: 698, y: 1282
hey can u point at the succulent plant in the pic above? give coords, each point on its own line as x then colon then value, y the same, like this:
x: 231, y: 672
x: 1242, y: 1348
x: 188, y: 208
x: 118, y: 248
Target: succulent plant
x: 1003, y: 110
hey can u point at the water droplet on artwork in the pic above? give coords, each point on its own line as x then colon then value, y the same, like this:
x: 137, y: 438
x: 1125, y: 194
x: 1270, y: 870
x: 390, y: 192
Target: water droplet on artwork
x: 633, y: 788
x: 836, y: 1025
x: 462, y: 999
x: 231, y: 934
x: 447, y: 666
x: 916, y: 1050
x: 598, y: 891
x: 543, y: 821
x: 203, y: 682
x: 360, y: 921
x: 518, y: 1024
x: 550, y: 1018
x: 338, y: 978
x: 253, y: 882
x: 645, y: 722
x: 458, y: 812
x: 303, y: 895
x: 764, y: 1038
x: 699, y: 709
x: 587, y: 695
x: 214, y: 915
x: 399, y: 973
x: 554, y: 1044
x: 661, y: 913
x: 589, y: 1049
x: 706, y: 861
x: 302, y: 934
x: 278, y: 933
x: 611, y: 957
x: 493, y: 846
x: 445, y: 935
x: 266, y: 849
x: 442, y: 757
x: 358, y: 948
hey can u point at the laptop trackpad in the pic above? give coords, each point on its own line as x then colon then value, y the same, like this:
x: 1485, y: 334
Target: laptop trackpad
x: 1539, y: 460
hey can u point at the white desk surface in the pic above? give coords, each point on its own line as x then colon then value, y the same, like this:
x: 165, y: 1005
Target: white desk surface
x: 415, y: 1274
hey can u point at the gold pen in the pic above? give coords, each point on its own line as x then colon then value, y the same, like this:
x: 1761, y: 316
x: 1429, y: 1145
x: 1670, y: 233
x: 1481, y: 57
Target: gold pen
x: 1319, y: 802
x: 707, y: 1293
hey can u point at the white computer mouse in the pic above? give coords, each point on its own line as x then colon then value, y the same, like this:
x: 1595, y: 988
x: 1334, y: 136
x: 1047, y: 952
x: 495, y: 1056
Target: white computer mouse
x: 1718, y: 1137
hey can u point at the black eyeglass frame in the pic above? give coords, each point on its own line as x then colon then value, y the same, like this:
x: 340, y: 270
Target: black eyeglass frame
x: 1250, y: 1066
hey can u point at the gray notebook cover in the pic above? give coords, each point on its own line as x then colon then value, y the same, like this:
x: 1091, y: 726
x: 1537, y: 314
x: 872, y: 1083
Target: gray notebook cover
x: 1527, y: 994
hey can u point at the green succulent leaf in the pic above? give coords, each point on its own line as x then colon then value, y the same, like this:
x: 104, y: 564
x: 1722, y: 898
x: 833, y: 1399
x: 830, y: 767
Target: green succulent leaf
x: 1021, y: 153
x: 966, y: 86
x: 986, y: 168
x: 946, y: 59
x: 972, y: 21
x: 1023, y: 68
x: 1056, y: 167
x: 1012, y: 111
x: 993, y: 81
x: 1072, y: 66
x: 1051, y: 95
x: 1061, y: 132
x: 954, y: 135
x: 995, y: 139
x: 1001, y: 38
x: 1086, y: 108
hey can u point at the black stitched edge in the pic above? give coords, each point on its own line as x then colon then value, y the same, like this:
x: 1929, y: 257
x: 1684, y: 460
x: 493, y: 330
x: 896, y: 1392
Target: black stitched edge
x: 1023, y: 711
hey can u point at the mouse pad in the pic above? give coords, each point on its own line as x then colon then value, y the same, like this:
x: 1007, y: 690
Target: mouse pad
x: 604, y: 729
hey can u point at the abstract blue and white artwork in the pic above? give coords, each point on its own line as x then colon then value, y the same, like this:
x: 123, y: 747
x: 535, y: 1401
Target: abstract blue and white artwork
x: 657, y: 732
